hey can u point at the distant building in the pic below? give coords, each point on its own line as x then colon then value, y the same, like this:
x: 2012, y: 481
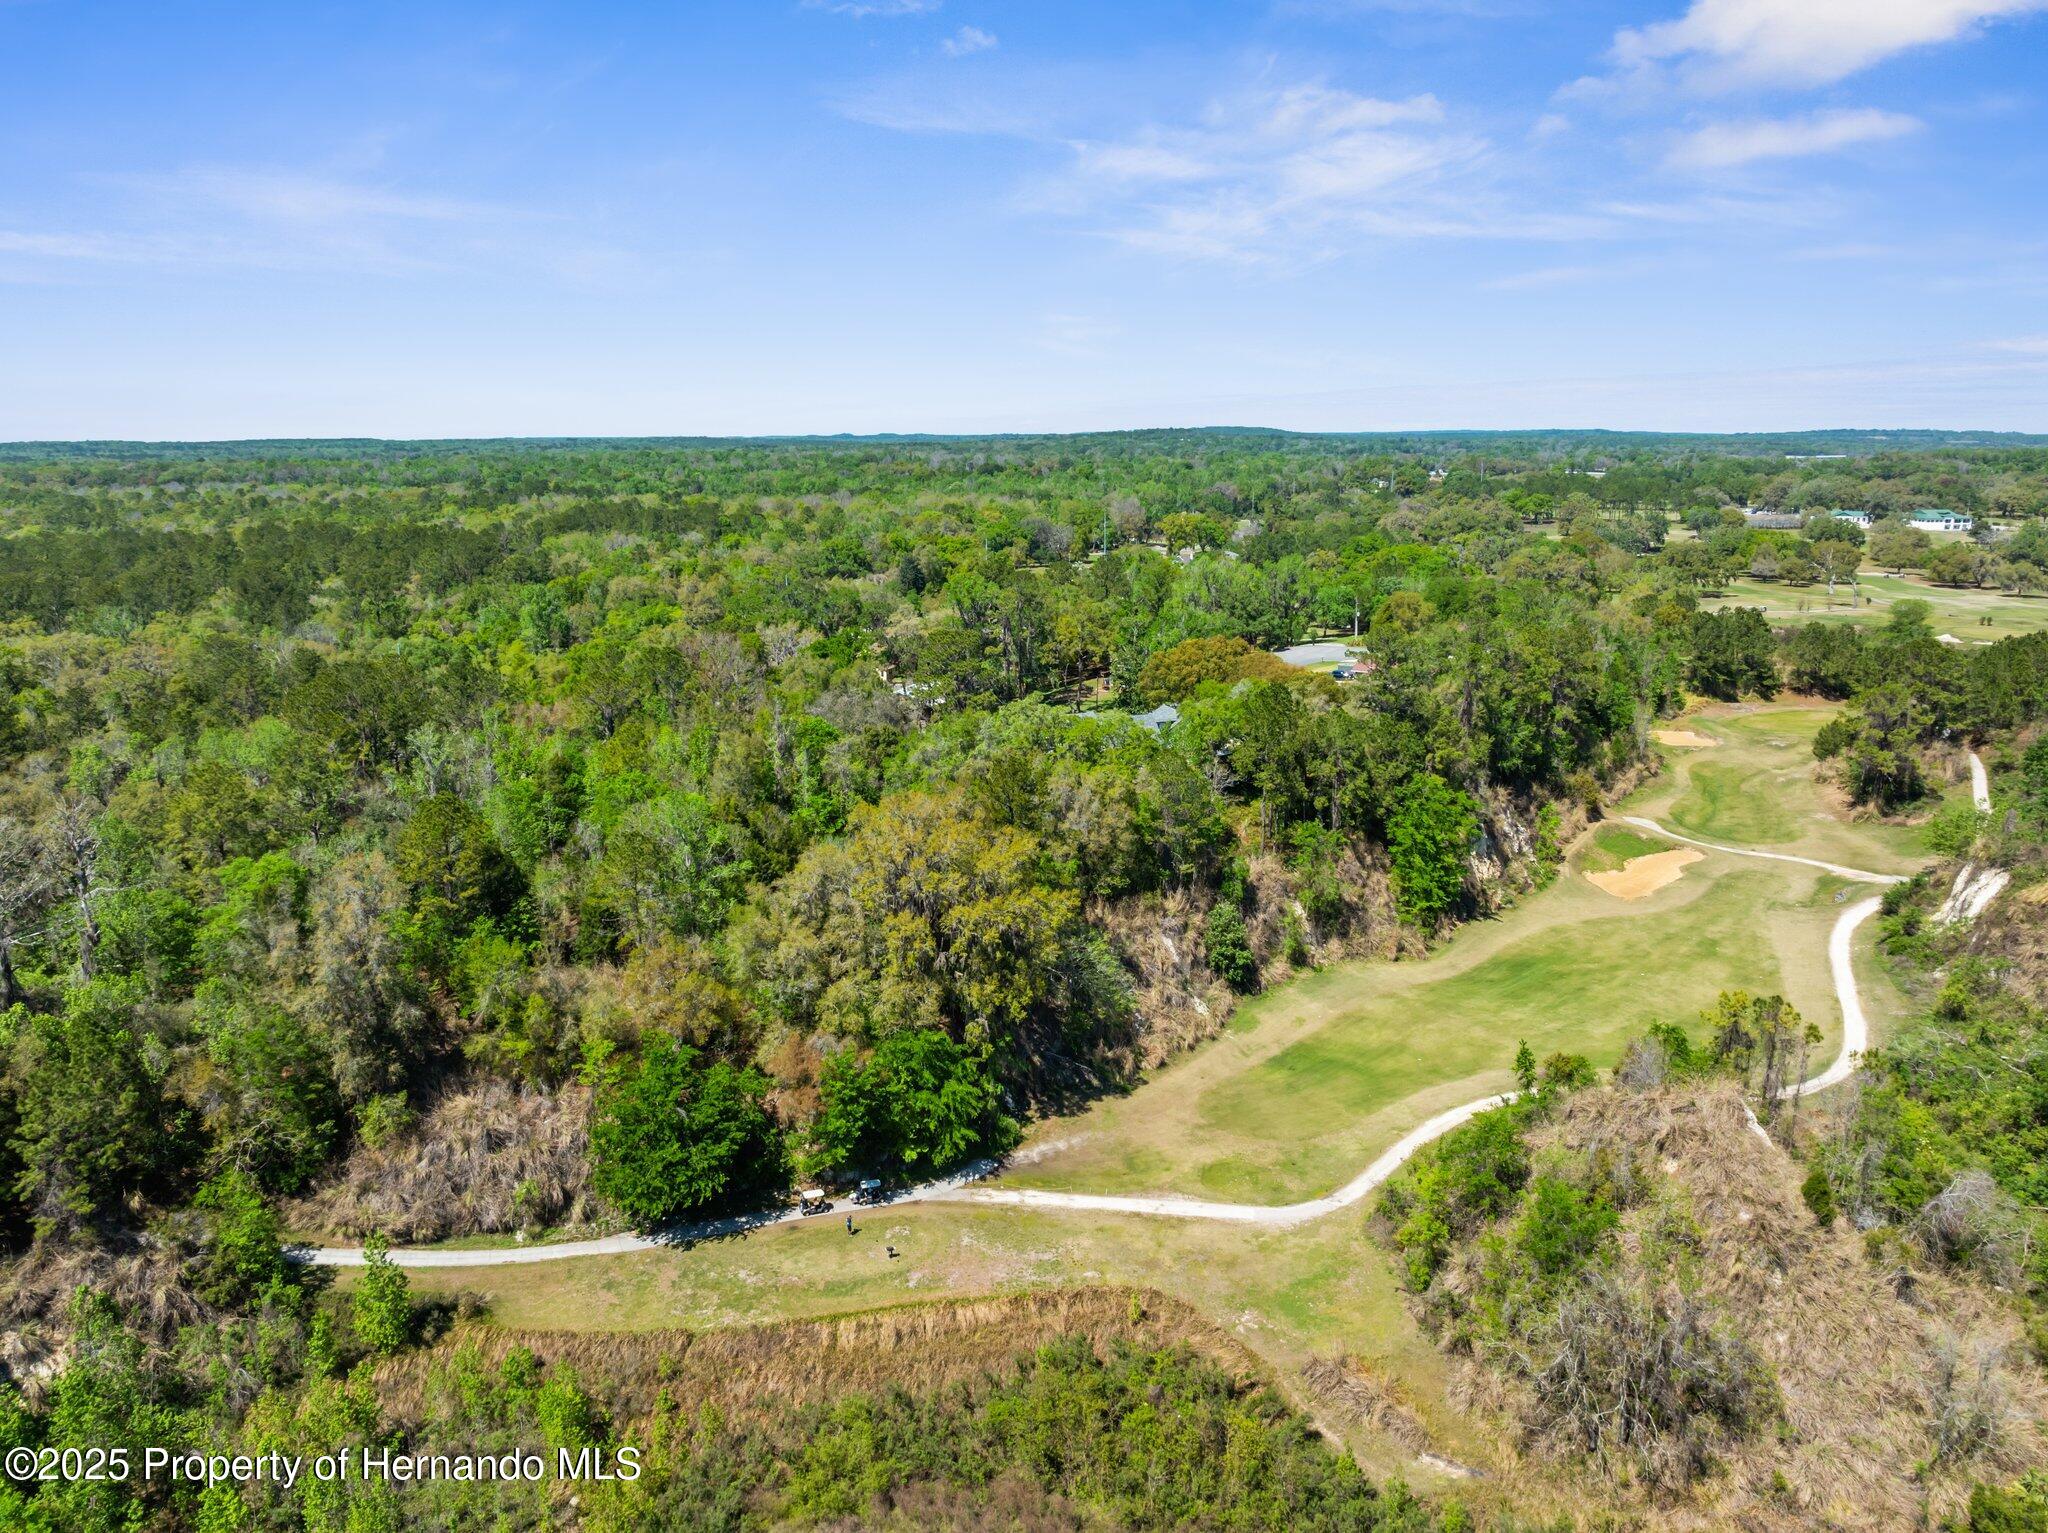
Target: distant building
x: 1939, y: 520
x: 1853, y: 518
x: 1155, y: 721
x: 1777, y: 521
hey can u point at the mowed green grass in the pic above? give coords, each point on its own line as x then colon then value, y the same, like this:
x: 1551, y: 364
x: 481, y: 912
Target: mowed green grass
x: 1614, y: 846
x: 1756, y: 788
x: 1955, y: 610
x: 1316, y: 1078
x: 1725, y: 801
x: 1584, y: 986
x: 1311, y: 1081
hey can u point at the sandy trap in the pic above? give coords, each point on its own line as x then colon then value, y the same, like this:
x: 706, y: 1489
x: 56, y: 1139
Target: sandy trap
x: 1641, y: 876
x: 1684, y: 739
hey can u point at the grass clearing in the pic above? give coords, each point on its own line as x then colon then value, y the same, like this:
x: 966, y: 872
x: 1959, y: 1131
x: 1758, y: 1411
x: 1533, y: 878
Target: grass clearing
x: 1289, y: 1296
x: 1322, y: 1075
x: 1311, y: 1081
x: 1757, y: 789
x: 1968, y: 614
x: 1612, y: 846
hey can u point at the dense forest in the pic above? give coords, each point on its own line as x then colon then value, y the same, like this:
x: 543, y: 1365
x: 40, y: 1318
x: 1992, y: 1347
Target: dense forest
x: 421, y: 840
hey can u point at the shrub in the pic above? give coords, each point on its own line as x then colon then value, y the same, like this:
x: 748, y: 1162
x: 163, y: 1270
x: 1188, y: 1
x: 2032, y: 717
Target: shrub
x: 1317, y: 855
x: 1954, y: 830
x: 1566, y: 1072
x: 1564, y: 1227
x: 244, y: 1250
x: 1473, y: 1174
x: 1820, y: 1196
x: 1294, y: 942
x: 672, y: 1138
x: 1966, y: 1398
x: 1486, y: 1162
x: 1652, y: 1376
x: 920, y: 1100
x: 1549, y: 847
x: 1974, y: 1221
x: 1229, y: 949
x: 381, y: 1306
x: 1645, y: 1065
x: 2021, y: 1509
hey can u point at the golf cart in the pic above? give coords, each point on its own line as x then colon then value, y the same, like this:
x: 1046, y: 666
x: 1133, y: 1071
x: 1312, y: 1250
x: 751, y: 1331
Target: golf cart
x: 812, y: 1200
x: 869, y: 1191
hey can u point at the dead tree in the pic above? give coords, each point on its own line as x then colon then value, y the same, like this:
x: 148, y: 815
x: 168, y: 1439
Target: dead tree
x: 78, y: 844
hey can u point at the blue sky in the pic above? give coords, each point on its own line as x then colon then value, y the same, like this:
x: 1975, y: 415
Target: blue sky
x: 966, y: 215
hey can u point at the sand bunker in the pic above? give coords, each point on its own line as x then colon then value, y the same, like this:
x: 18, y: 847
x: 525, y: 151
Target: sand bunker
x: 1684, y: 739
x: 1641, y: 876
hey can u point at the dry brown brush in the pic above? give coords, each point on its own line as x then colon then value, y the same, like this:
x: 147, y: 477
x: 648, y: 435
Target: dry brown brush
x: 487, y: 1159
x: 756, y: 1374
x: 1898, y: 1382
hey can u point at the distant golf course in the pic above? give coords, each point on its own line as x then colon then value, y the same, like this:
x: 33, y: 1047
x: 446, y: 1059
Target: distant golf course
x: 1969, y: 614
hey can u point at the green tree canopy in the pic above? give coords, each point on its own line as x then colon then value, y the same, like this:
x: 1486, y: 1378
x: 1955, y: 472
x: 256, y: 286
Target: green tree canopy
x: 672, y: 1137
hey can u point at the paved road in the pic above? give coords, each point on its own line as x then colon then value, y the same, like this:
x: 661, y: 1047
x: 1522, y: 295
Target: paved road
x: 616, y: 1245
x: 961, y: 1188
x: 1322, y: 652
x: 1238, y: 1213
x: 1855, y: 1026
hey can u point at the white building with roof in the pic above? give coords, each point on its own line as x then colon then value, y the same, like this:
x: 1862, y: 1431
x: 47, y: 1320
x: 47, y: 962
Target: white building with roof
x: 1937, y: 519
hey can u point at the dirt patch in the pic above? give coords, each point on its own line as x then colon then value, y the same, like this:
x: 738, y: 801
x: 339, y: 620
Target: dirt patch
x: 1684, y: 739
x: 1643, y: 876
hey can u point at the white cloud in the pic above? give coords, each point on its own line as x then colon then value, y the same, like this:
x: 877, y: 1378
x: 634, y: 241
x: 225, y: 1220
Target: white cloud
x: 63, y: 247
x: 861, y: 9
x: 1546, y: 276
x: 1038, y: 101
x: 968, y: 40
x: 224, y: 217
x: 1076, y: 335
x: 1723, y: 44
x: 1290, y: 173
x: 1723, y: 145
x: 1848, y: 250
x: 290, y: 197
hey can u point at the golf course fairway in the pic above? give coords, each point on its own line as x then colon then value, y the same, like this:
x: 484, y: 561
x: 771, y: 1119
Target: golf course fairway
x: 1315, y: 1078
